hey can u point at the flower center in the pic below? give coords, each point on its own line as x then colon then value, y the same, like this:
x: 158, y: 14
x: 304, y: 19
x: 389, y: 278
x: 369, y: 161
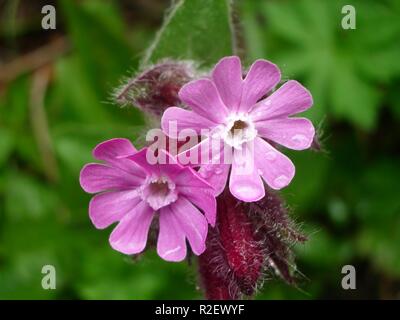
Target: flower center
x: 159, y: 192
x: 238, y: 130
x: 159, y: 188
x: 239, y: 125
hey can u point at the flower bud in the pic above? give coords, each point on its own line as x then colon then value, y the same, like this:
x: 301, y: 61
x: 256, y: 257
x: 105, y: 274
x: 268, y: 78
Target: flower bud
x: 276, y: 233
x: 215, y: 272
x: 232, y: 263
x: 237, y: 235
x: 157, y: 87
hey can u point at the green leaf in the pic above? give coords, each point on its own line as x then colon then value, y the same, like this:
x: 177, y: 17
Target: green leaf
x: 97, y: 34
x: 15, y: 104
x: 318, y: 81
x: 6, y: 145
x: 378, y: 213
x: 394, y: 101
x: 253, y: 32
x: 320, y: 242
x: 352, y: 98
x: 76, y: 93
x: 312, y: 168
x: 133, y: 279
x: 285, y: 20
x: 21, y: 279
x: 194, y: 29
x: 26, y: 198
x: 73, y: 153
x: 344, y: 69
x: 382, y: 63
x: 378, y: 29
x: 28, y: 245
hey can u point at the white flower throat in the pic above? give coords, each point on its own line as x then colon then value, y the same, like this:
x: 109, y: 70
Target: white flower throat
x: 159, y: 192
x: 239, y: 129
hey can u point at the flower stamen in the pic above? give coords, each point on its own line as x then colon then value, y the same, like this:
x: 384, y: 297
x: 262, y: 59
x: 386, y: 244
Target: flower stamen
x: 238, y: 130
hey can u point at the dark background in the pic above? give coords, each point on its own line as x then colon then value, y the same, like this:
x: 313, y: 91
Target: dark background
x: 56, y: 105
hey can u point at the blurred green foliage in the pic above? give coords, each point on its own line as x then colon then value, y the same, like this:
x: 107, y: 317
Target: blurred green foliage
x: 346, y: 197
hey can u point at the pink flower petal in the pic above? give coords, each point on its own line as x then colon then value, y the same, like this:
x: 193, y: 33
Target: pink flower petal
x: 204, y: 199
x: 216, y: 175
x: 198, y: 191
x: 96, y: 177
x: 171, y: 168
x: 276, y: 169
x: 141, y: 158
x: 164, y: 163
x: 202, y: 153
x: 202, y: 96
x: 289, y: 99
x: 171, y: 244
x: 262, y: 77
x: 130, y: 235
x: 110, y: 207
x: 193, y: 224
x: 245, y: 182
x: 227, y: 76
x: 293, y: 133
x: 111, y: 149
x: 179, y: 119
x: 115, y: 151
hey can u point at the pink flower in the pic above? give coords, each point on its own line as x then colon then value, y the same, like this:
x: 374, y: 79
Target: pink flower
x: 237, y: 112
x: 132, y: 192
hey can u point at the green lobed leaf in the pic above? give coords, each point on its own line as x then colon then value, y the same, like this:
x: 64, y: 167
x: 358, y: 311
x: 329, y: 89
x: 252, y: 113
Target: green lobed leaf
x: 344, y: 69
x: 352, y: 98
